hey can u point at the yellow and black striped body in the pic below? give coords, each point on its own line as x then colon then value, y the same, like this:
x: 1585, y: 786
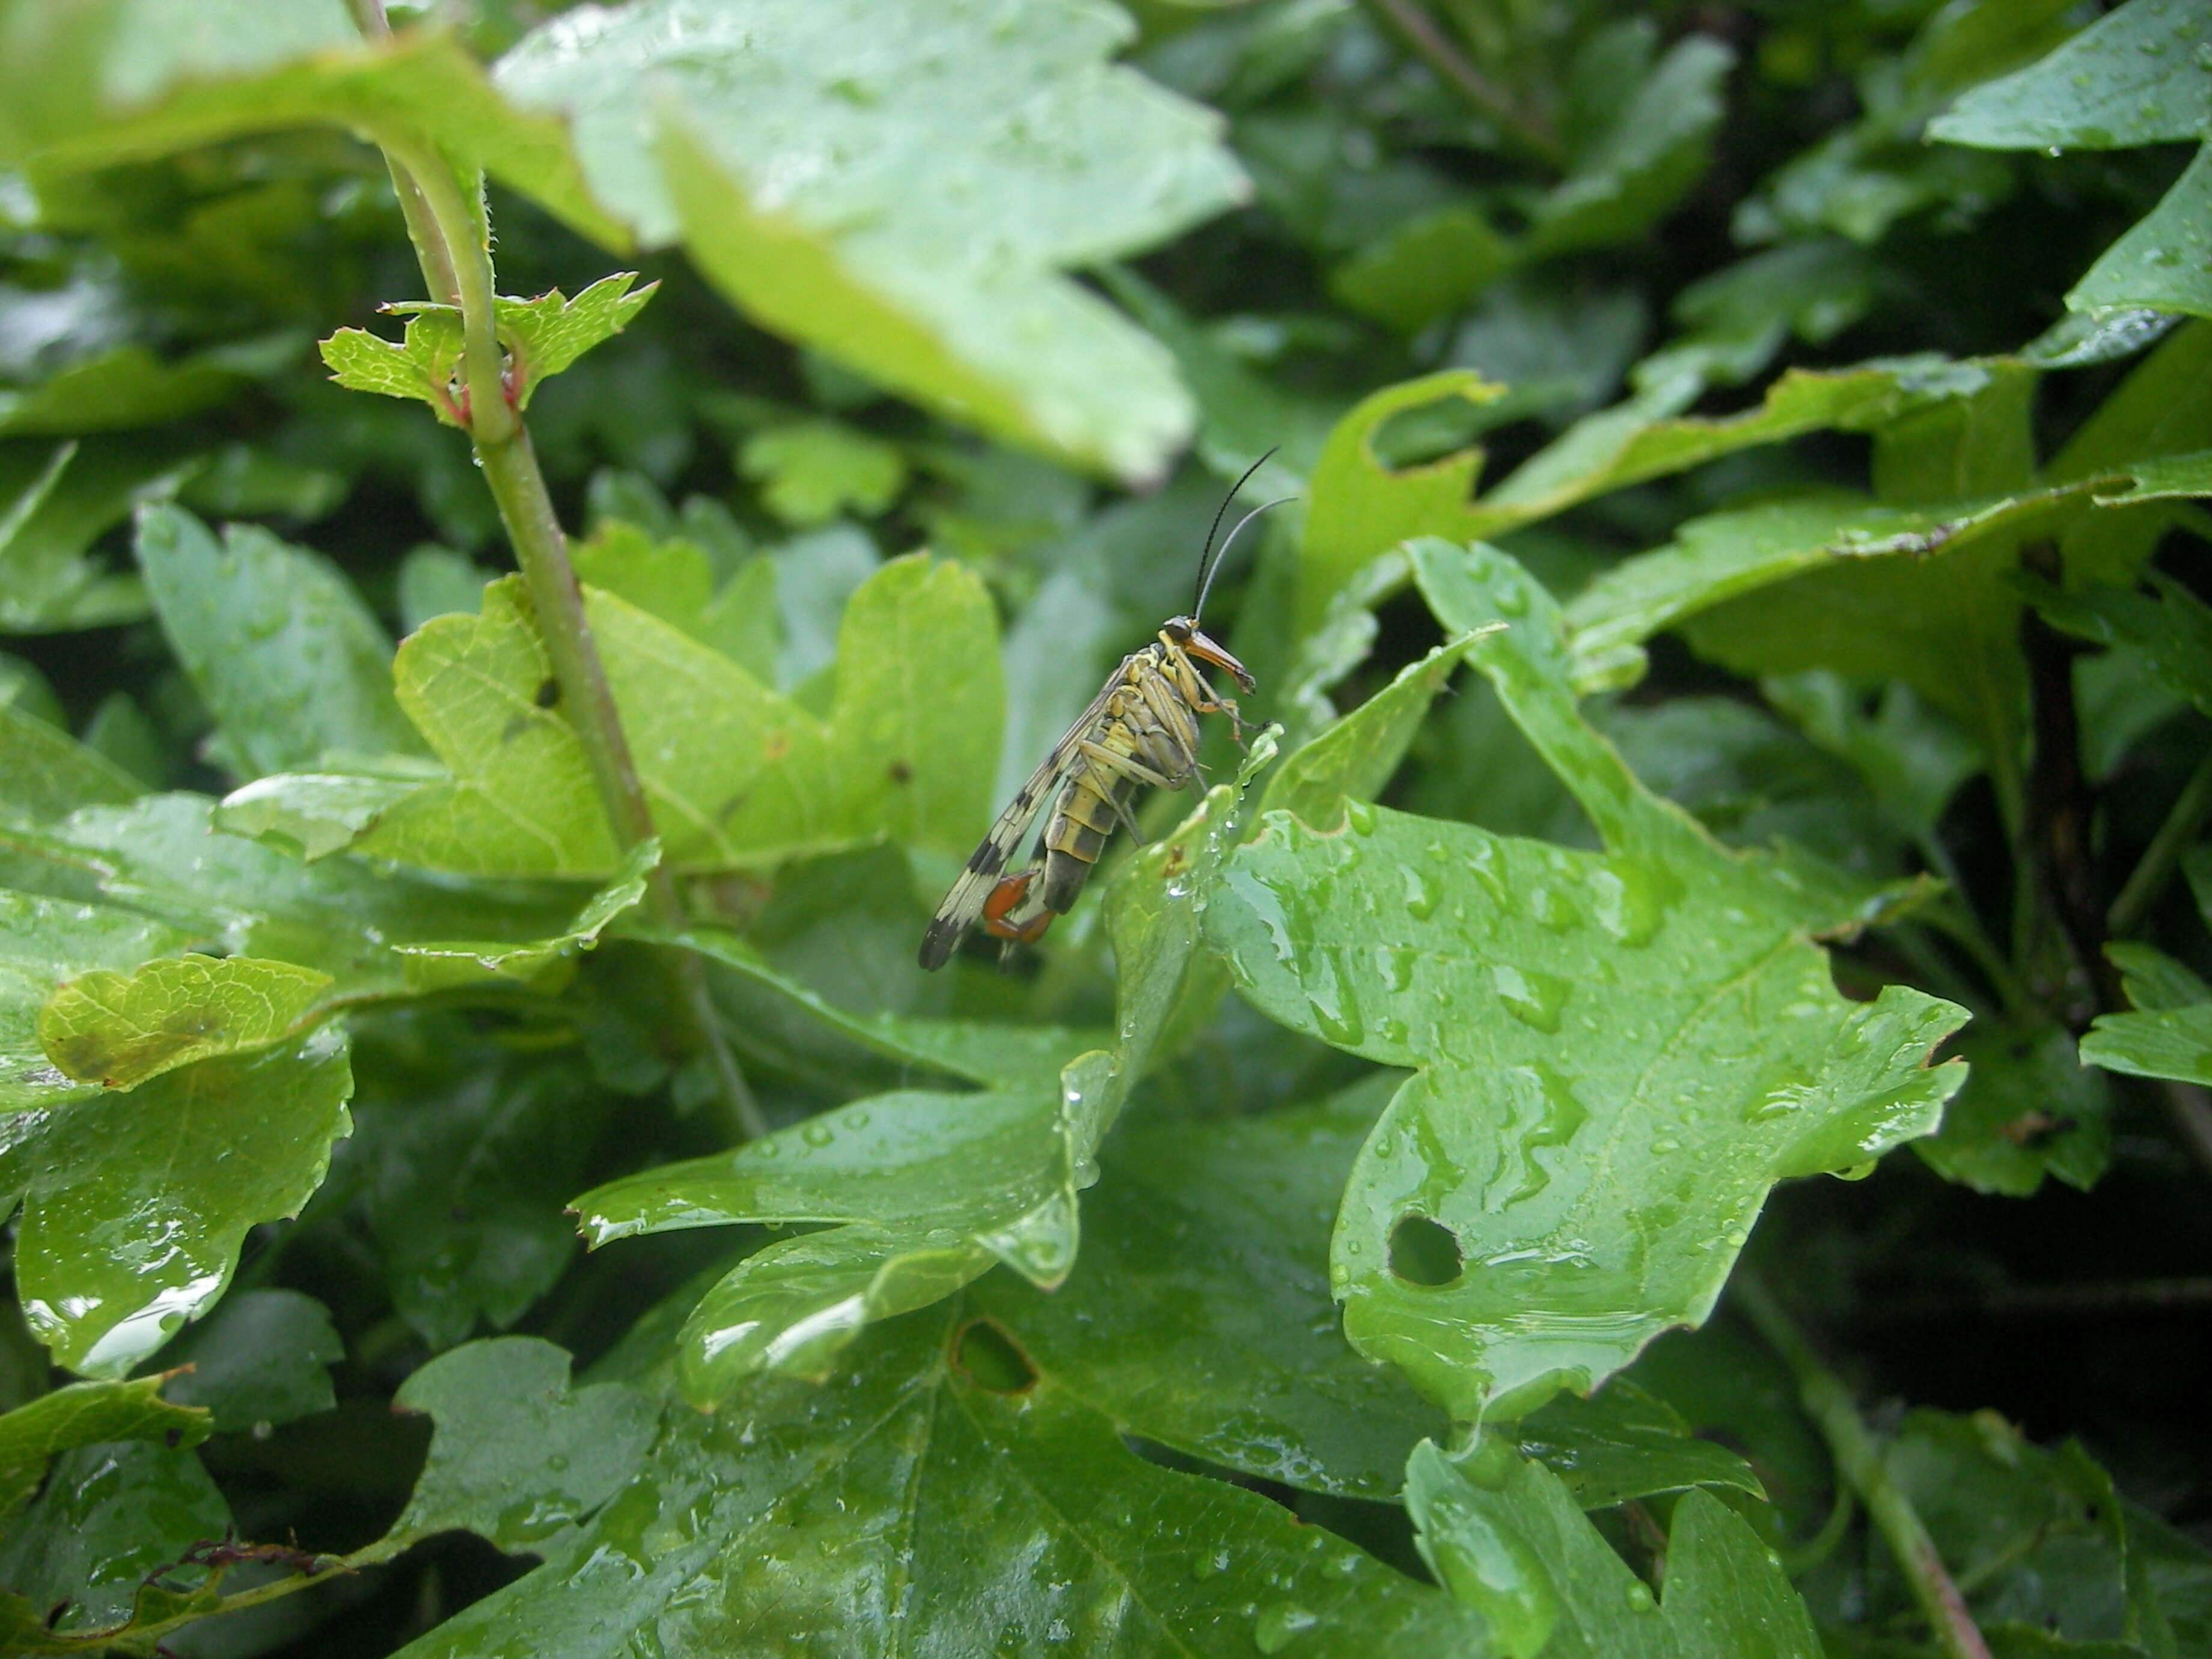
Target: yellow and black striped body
x: 1141, y: 731
x: 1148, y: 719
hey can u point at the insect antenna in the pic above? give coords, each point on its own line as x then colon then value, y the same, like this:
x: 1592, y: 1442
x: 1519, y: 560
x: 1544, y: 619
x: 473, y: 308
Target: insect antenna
x: 1225, y: 542
x: 1205, y: 576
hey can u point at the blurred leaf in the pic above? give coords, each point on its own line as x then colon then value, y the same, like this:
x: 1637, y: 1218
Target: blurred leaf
x: 947, y: 1495
x: 92, y: 84
x: 1582, y: 1261
x: 50, y: 775
x: 1504, y: 1537
x: 311, y: 815
x: 737, y: 774
x: 117, y: 1029
x: 2029, y: 1109
x: 195, y: 1158
x: 1626, y: 176
x: 1359, y: 508
x: 1426, y: 268
x: 2169, y: 1043
x: 2131, y: 78
x: 2173, y: 631
x: 924, y: 250
x: 1735, y: 320
x: 465, y: 1158
x: 262, y: 1358
x: 517, y: 1454
x: 43, y: 942
x: 128, y: 386
x: 1910, y: 756
x: 811, y: 470
x: 85, y: 1414
x: 433, y: 581
x: 277, y: 640
x: 110, y: 1518
x: 60, y: 506
x: 443, y: 964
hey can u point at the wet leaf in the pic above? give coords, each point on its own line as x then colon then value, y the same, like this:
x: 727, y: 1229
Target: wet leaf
x: 2029, y: 1109
x: 192, y: 1159
x: 2131, y: 78
x: 517, y: 1456
x: 263, y: 1356
x: 278, y: 643
x: 43, y: 943
x: 943, y: 1494
x: 1665, y: 996
x: 954, y: 164
x: 2159, y: 263
x: 2173, y: 631
x: 111, y: 1516
x: 118, y: 1029
x: 1504, y: 1537
x: 85, y: 1414
x: 736, y: 774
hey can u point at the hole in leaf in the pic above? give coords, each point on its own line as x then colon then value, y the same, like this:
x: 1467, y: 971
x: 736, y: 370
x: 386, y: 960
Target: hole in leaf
x: 987, y: 1357
x: 1424, y: 1252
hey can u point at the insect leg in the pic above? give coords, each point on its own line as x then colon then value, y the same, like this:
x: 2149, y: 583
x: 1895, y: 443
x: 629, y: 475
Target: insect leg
x: 1172, y: 721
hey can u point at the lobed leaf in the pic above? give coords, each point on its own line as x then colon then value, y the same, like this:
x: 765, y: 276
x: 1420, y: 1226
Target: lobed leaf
x: 1617, y: 1052
x: 944, y: 1495
x: 86, y: 1414
x: 901, y: 191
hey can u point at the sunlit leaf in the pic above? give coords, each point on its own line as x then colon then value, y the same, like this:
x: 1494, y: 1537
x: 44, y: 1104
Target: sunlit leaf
x: 953, y: 165
x: 118, y: 1029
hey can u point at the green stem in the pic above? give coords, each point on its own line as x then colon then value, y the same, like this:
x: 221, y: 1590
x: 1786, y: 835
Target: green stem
x: 455, y: 247
x: 1859, y: 1462
x: 2155, y: 868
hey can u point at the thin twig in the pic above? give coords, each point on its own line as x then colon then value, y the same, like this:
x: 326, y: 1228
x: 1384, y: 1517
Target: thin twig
x: 2155, y: 868
x: 1430, y: 44
x: 1859, y: 1463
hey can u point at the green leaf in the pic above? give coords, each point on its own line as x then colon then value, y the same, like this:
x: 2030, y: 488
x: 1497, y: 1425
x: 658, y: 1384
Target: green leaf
x: 2029, y: 1109
x: 2159, y: 265
x: 545, y: 335
x: 737, y: 774
x: 56, y: 510
x: 442, y: 964
x: 110, y: 83
x: 112, y: 1517
x: 196, y: 1158
x: 1556, y: 1001
x: 809, y: 471
x: 954, y: 165
x: 2171, y: 1043
x: 2155, y: 982
x: 311, y: 815
x: 1647, y: 156
x: 465, y: 1156
x: 1354, y: 757
x: 1359, y: 508
x: 85, y: 1414
x: 2172, y: 631
x: 118, y: 1029
x: 50, y: 775
x: 262, y: 1358
x: 287, y: 657
x: 1426, y: 268
x: 1503, y: 1536
x: 517, y: 1454
x: 128, y: 386
x: 945, y: 1495
x: 43, y: 942
x: 542, y: 337
x: 923, y: 1192
x: 2131, y: 78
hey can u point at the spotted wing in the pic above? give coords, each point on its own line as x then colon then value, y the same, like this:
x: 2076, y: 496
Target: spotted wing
x: 964, y: 905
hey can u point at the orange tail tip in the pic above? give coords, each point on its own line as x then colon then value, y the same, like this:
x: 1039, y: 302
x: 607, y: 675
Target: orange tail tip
x: 999, y: 919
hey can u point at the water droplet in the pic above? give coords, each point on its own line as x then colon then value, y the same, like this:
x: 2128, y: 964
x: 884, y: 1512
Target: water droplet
x: 1279, y: 1624
x: 1532, y: 997
x: 1423, y: 893
x: 817, y: 1134
x: 1339, y: 1567
x: 1360, y: 815
x: 1640, y: 1599
x: 1510, y: 598
x: 1553, y: 908
x: 557, y: 1462
x: 1395, y: 963
x: 1486, y: 864
x: 768, y: 1148
x: 1494, y: 1572
x: 858, y: 1120
x: 1209, y: 1564
x: 2083, y: 78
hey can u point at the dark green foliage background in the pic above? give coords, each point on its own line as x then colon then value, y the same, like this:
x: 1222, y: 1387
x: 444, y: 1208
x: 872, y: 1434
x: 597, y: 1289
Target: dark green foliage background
x: 1741, y: 639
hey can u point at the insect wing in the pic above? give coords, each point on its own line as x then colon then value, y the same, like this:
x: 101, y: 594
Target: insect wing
x: 964, y: 905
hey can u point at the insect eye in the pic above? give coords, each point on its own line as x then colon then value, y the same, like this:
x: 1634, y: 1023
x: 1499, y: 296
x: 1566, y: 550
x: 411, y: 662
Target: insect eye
x: 1177, y: 629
